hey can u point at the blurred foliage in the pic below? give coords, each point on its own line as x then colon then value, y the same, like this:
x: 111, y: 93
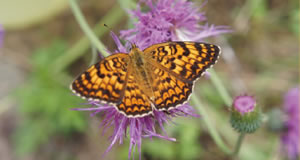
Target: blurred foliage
x: 187, y: 146
x: 45, y: 104
x: 258, y: 8
x: 16, y: 14
x: 208, y: 93
x: 294, y: 17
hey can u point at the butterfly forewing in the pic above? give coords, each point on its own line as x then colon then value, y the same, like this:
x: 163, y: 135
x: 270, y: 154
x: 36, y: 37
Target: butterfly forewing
x: 104, y: 81
x: 188, y: 60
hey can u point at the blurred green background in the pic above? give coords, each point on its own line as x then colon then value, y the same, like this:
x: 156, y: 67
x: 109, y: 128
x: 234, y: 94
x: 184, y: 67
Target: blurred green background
x: 44, y: 49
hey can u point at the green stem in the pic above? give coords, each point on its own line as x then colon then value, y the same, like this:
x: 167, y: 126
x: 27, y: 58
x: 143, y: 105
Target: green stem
x: 220, y: 88
x: 238, y: 144
x: 211, y: 129
x: 213, y: 132
x: 81, y: 46
x: 127, y: 4
x: 86, y: 29
x: 94, y: 56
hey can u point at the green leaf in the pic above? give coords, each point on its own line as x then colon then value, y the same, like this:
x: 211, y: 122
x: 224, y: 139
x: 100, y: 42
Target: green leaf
x: 45, y: 104
x: 29, y: 136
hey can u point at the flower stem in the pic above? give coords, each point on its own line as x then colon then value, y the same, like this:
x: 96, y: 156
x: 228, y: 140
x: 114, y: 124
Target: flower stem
x: 81, y: 46
x: 220, y: 88
x: 238, y: 144
x: 94, y: 55
x: 86, y: 29
x: 211, y: 129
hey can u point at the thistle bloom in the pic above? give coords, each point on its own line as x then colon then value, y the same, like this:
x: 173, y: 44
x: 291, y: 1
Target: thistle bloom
x: 291, y: 135
x: 244, y: 104
x: 139, y: 128
x: 169, y: 20
x: 245, y: 116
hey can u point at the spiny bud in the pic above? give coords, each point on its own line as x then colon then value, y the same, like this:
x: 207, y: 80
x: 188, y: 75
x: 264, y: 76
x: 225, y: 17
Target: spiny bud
x: 245, y: 116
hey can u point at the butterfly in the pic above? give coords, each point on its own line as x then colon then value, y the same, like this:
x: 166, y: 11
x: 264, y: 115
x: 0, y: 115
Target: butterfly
x: 161, y: 77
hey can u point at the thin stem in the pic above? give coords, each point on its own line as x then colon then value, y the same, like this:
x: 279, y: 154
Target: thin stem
x: 238, y: 144
x: 6, y: 103
x: 127, y: 4
x: 220, y: 88
x: 94, y: 56
x: 211, y: 129
x: 85, y: 27
x: 81, y: 46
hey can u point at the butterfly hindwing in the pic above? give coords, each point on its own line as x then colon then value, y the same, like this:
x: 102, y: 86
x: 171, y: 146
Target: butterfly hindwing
x: 135, y: 103
x: 185, y: 59
x: 169, y: 91
x: 104, y: 81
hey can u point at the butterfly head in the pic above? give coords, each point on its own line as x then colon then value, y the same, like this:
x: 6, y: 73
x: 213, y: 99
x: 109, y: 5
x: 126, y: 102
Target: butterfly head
x: 134, y: 50
x: 133, y: 46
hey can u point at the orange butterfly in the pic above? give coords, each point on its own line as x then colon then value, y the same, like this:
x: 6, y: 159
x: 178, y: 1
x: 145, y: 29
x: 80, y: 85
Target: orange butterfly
x: 160, y: 77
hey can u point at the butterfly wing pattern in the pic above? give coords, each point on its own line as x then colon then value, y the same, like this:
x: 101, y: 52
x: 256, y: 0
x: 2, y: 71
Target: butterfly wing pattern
x: 187, y: 60
x: 104, y: 81
x: 135, y: 103
x: 179, y: 65
x: 173, y: 67
x: 169, y: 91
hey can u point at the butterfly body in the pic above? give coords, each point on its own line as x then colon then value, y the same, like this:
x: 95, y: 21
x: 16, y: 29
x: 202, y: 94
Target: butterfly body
x: 160, y: 77
x: 140, y: 68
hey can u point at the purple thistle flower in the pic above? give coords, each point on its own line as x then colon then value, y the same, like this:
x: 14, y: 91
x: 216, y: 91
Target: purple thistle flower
x: 1, y: 35
x: 139, y: 128
x: 143, y: 127
x: 245, y: 116
x: 244, y: 104
x: 169, y: 20
x: 290, y: 137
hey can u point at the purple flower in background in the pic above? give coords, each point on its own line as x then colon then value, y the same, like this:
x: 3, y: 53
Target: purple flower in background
x: 290, y: 137
x: 143, y: 127
x: 1, y: 35
x: 169, y: 20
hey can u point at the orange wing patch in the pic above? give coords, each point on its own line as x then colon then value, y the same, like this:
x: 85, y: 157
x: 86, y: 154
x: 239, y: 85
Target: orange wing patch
x: 135, y: 103
x: 104, y: 81
x: 169, y: 91
x: 185, y: 59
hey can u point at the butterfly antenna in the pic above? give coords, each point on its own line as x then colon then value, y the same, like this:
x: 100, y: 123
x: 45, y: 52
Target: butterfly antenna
x: 131, y: 44
x: 105, y: 25
x: 110, y: 30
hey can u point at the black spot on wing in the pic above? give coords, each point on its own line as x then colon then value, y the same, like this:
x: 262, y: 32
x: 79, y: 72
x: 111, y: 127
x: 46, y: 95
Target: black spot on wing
x: 186, y: 51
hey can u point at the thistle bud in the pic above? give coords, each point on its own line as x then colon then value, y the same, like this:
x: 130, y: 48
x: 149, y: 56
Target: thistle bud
x: 245, y: 116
